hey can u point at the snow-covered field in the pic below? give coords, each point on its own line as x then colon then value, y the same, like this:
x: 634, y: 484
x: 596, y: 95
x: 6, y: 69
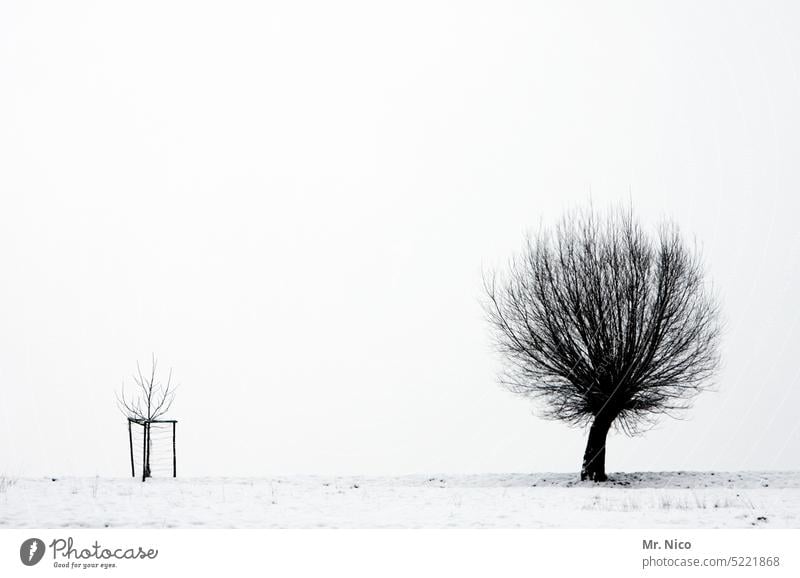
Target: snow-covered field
x: 629, y: 500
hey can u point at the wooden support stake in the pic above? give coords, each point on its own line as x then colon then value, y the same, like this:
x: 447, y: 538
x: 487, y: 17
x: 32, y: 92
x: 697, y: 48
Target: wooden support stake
x: 144, y: 451
x: 174, y: 461
x: 130, y: 442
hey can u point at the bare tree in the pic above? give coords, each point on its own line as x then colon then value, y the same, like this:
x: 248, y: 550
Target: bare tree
x: 606, y: 325
x: 150, y: 401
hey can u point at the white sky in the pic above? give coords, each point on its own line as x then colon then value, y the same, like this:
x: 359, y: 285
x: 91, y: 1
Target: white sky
x: 291, y: 203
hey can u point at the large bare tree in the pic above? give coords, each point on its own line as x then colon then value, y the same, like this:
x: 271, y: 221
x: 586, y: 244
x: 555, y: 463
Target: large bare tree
x: 606, y: 324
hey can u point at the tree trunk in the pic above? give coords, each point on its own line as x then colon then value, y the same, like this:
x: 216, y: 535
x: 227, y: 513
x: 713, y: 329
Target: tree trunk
x: 146, y: 452
x: 594, y: 459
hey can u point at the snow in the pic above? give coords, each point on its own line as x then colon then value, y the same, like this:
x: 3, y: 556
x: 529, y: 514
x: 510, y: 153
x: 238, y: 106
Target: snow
x: 628, y: 500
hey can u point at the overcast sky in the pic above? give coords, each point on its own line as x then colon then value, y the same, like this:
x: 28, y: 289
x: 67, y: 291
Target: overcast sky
x: 291, y: 204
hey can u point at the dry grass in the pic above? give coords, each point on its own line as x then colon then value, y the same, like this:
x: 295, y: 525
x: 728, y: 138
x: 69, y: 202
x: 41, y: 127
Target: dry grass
x: 667, y: 500
x: 6, y: 483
